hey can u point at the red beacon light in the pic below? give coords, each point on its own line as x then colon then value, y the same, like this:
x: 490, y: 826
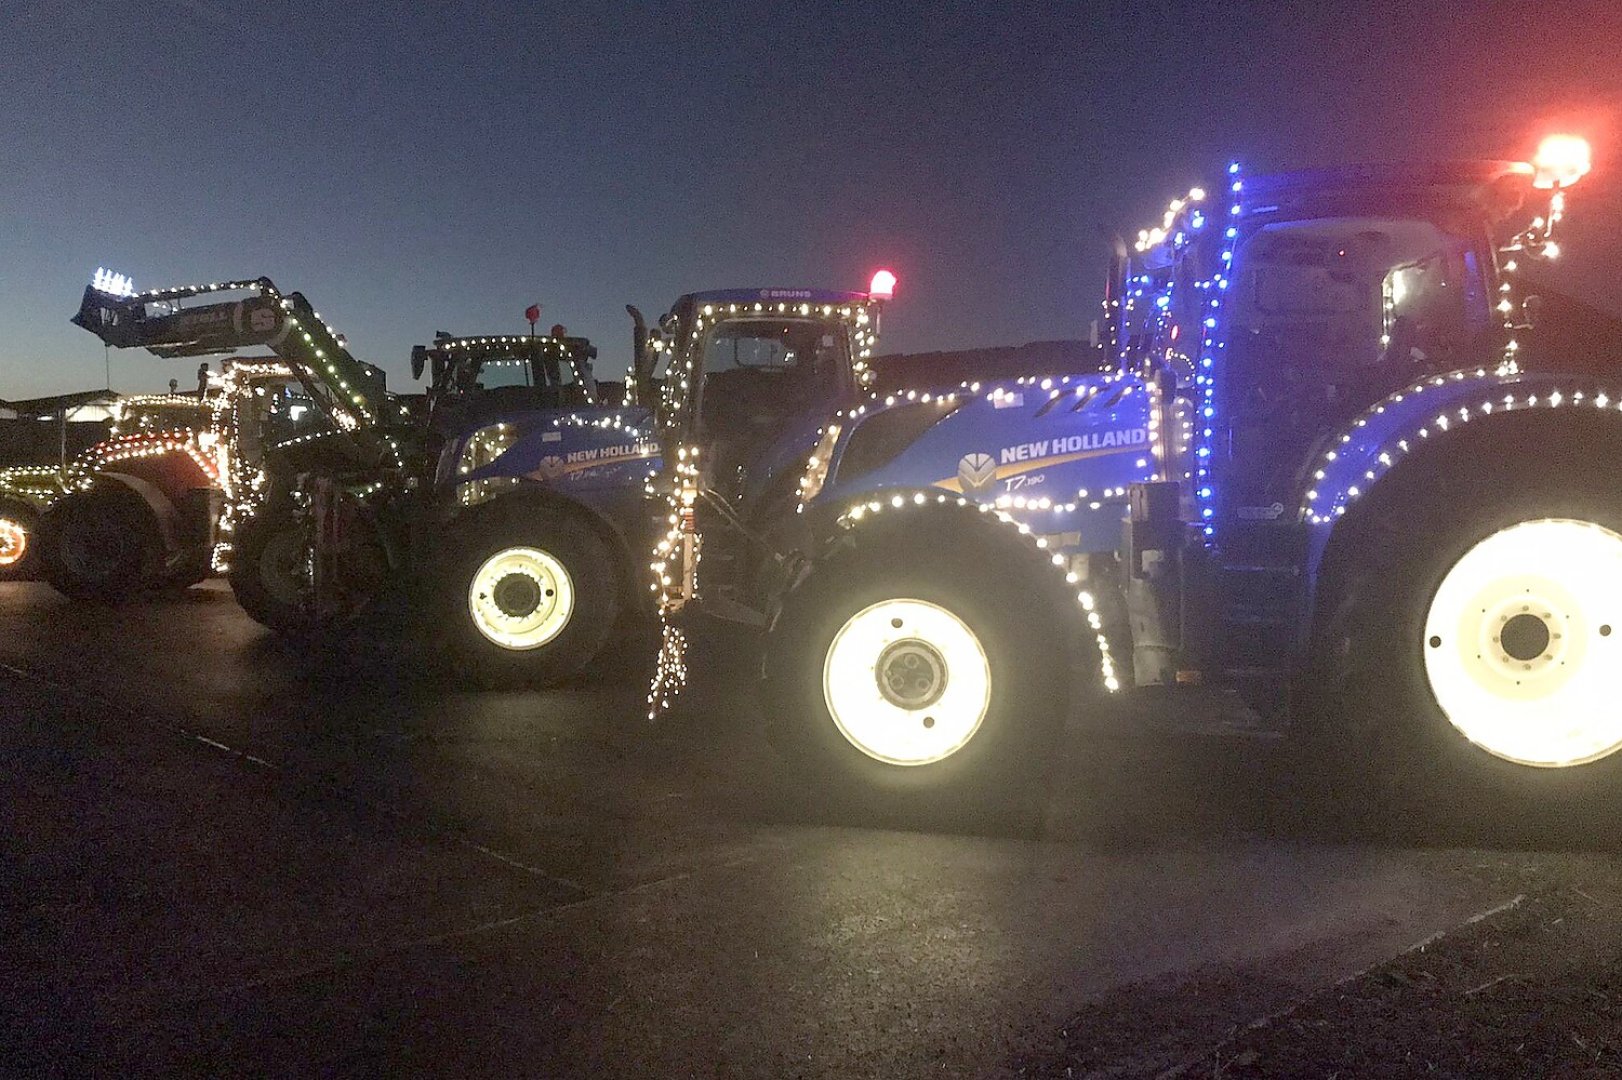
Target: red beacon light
x: 883, y: 286
x: 1561, y: 161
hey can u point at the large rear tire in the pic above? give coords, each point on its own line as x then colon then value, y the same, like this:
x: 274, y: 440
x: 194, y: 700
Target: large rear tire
x: 102, y: 544
x: 906, y: 671
x: 1474, y: 663
x: 530, y: 595
x: 19, y: 547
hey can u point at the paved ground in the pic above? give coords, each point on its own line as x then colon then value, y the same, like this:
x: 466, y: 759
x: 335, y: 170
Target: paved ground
x: 221, y: 855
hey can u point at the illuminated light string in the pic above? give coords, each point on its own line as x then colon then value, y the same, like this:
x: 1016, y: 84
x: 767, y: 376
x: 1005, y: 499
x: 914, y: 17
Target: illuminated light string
x: 516, y: 349
x: 32, y: 483
x: 1212, y: 343
x: 860, y: 512
x: 244, y: 485
x: 146, y: 444
x: 670, y: 667
x: 1319, y: 509
x: 156, y: 412
x: 1149, y: 239
x: 670, y: 673
x: 613, y: 422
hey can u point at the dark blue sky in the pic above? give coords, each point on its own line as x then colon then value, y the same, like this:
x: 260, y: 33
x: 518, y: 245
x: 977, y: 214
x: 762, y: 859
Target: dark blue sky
x: 423, y: 166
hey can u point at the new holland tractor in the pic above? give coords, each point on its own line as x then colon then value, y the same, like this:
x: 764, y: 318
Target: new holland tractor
x: 143, y: 509
x: 515, y: 508
x: 1325, y: 470
x: 348, y: 516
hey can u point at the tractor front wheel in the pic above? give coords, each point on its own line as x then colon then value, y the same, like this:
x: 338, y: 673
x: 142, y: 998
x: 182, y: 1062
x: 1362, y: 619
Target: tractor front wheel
x: 19, y: 551
x: 530, y: 595
x: 915, y: 674
x: 270, y: 572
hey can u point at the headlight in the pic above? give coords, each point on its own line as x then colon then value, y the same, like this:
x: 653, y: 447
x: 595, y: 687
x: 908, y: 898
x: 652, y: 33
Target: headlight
x: 816, y: 469
x: 485, y: 446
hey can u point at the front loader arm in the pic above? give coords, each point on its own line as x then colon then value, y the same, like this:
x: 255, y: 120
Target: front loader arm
x: 182, y: 322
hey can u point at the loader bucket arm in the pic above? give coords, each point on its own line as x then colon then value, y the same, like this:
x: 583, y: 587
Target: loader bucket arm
x: 187, y: 321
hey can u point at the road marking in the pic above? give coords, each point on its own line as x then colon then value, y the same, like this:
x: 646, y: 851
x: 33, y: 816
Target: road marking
x: 435, y: 831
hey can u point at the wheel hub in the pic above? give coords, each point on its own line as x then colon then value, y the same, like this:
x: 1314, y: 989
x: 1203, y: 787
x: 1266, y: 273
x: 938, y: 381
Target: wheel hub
x: 1526, y: 637
x: 906, y: 682
x: 911, y: 674
x: 517, y: 595
x: 521, y: 598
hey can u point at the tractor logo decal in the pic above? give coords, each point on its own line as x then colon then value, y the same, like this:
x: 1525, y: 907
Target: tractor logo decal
x: 262, y: 321
x: 976, y: 474
x: 553, y: 467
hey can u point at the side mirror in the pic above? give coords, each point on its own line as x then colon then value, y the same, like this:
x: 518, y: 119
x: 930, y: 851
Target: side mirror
x: 1532, y: 310
x: 419, y: 360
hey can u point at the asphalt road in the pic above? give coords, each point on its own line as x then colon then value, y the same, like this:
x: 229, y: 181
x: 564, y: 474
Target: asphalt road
x: 222, y: 855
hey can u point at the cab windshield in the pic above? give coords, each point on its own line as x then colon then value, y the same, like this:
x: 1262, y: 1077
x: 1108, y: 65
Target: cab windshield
x: 1349, y: 293
x: 790, y: 347
x: 762, y: 374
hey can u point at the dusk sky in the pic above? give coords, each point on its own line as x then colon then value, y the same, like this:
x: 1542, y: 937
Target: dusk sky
x: 426, y: 166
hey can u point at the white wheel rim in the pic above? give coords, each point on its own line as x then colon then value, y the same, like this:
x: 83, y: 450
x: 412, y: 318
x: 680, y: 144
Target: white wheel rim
x: 521, y: 598
x: 13, y: 542
x: 1523, y: 643
x: 937, y: 682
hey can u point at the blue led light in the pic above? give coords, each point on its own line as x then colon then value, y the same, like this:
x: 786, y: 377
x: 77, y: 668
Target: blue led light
x: 1211, y: 341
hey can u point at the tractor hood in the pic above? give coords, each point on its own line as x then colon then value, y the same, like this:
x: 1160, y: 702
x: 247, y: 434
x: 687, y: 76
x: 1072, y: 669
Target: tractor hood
x: 1040, y: 441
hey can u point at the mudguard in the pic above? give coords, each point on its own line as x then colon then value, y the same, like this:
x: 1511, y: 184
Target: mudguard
x: 1425, y: 414
x: 900, y: 516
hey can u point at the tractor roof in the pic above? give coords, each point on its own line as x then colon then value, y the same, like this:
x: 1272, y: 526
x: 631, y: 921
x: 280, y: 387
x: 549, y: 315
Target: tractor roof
x: 1437, y: 174
x: 776, y: 296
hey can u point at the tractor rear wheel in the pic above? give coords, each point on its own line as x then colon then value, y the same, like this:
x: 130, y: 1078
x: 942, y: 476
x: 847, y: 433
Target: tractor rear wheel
x: 19, y: 549
x: 102, y: 544
x: 905, y: 672
x: 529, y: 597
x: 1477, y: 655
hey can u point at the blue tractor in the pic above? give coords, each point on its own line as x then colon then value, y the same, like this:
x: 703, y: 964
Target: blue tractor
x: 1325, y: 469
x: 513, y: 503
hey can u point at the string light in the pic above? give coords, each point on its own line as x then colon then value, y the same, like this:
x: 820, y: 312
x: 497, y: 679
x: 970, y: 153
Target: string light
x: 1347, y: 472
x: 856, y: 515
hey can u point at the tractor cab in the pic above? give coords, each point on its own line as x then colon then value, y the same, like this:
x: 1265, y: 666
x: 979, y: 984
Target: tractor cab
x: 749, y: 377
x: 475, y: 379
x: 1280, y: 313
